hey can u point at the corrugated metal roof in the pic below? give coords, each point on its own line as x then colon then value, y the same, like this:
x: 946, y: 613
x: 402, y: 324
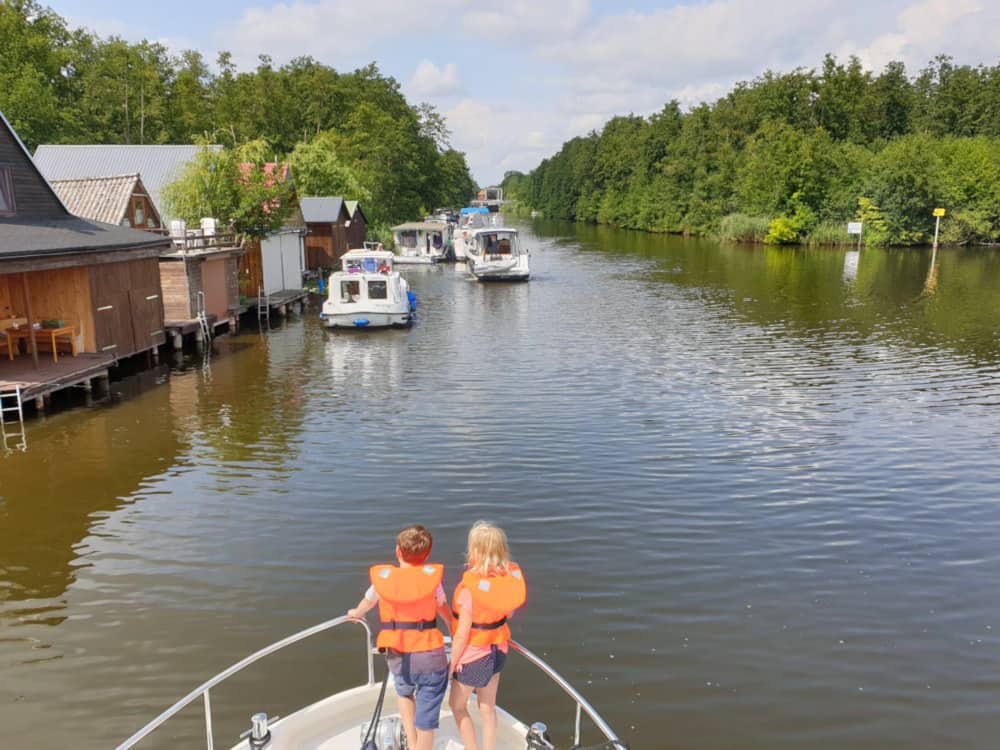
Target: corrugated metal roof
x: 98, y: 198
x: 158, y: 166
x: 35, y: 237
x: 321, y: 210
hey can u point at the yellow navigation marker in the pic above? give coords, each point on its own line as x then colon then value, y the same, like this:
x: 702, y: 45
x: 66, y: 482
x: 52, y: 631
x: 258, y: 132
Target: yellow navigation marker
x: 939, y: 212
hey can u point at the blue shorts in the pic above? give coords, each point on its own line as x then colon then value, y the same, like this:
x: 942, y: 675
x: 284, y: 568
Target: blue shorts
x: 428, y: 690
x: 478, y: 673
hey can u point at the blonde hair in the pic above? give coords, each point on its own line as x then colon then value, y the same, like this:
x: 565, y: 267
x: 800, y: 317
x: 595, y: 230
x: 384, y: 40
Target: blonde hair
x: 488, y: 552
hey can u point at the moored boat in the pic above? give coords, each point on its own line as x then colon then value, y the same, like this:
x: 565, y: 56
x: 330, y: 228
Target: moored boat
x: 340, y: 721
x: 368, y: 293
x: 422, y: 242
x: 496, y: 254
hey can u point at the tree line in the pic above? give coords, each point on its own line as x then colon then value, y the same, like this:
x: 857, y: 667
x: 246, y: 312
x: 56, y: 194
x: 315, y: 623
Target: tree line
x: 351, y: 134
x: 790, y: 158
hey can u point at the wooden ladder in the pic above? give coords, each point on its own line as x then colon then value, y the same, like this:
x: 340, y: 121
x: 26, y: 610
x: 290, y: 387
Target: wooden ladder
x: 263, y: 308
x: 10, y: 404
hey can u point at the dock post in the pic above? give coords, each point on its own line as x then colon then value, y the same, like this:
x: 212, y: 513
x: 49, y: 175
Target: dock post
x: 199, y: 339
x: 102, y: 385
x: 40, y: 404
x: 156, y: 355
x: 177, y: 339
x: 88, y: 392
x: 283, y: 310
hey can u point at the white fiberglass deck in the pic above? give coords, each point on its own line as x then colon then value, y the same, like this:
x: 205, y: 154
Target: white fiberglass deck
x: 335, y: 724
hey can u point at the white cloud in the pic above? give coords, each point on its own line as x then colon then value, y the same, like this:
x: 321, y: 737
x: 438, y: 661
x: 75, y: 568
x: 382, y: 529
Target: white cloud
x: 335, y: 31
x: 431, y: 81
x: 497, y: 138
x: 964, y: 28
x: 527, y: 21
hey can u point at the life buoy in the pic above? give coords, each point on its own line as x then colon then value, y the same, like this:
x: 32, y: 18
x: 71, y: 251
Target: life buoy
x: 407, y: 606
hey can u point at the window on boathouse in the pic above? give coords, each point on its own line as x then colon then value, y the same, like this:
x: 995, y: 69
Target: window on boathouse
x: 7, y: 205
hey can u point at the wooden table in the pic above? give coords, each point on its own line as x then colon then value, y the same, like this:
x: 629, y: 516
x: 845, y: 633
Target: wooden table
x: 16, y: 334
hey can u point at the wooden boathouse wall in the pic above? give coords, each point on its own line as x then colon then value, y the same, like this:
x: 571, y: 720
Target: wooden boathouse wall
x: 115, y: 306
x: 251, y: 269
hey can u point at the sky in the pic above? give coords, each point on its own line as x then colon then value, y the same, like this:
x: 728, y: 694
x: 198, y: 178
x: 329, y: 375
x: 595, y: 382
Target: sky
x: 516, y: 79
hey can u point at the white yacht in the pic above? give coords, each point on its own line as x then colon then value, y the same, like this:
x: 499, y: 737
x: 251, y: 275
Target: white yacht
x: 341, y: 721
x: 422, y: 242
x: 368, y: 293
x: 495, y: 254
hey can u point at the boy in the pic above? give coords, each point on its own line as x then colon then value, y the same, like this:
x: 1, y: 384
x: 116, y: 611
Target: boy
x: 410, y: 597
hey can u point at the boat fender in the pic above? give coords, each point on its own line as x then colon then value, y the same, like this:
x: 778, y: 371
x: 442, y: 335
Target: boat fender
x: 361, y: 322
x: 413, y: 301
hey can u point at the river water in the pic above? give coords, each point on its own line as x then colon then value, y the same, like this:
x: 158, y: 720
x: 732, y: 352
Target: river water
x: 754, y: 492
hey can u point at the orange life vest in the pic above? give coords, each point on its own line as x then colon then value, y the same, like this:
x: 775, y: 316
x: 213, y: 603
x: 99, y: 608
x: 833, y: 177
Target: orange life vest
x: 407, y: 606
x: 493, y: 598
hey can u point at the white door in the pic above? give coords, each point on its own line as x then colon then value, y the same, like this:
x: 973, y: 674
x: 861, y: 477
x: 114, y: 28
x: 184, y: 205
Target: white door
x: 270, y: 258
x: 291, y: 260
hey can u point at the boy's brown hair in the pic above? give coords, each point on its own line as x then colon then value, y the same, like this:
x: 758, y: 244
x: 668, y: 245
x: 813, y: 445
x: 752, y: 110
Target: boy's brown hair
x: 414, y: 544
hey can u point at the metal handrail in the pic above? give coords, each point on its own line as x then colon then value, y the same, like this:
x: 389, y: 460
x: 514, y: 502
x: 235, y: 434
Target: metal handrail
x: 581, y: 702
x: 202, y: 690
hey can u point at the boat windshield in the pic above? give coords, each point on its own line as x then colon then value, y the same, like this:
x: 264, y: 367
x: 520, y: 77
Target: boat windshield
x: 495, y: 243
x: 407, y: 238
x: 367, y: 264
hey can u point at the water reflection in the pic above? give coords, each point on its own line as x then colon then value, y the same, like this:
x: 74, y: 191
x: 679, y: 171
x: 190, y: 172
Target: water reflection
x: 81, y: 464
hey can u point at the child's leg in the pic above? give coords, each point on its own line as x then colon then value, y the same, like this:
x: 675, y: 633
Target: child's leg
x: 459, y: 702
x: 487, y: 698
x: 407, y: 707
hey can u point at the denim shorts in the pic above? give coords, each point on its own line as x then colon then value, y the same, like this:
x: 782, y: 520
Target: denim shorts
x: 478, y: 673
x: 427, y: 688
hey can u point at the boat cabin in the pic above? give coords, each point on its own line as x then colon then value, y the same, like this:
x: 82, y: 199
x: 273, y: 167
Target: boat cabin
x: 429, y: 239
x: 497, y: 244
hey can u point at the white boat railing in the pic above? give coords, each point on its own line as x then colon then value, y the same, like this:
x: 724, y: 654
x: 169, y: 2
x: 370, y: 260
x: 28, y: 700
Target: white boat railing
x: 203, y: 690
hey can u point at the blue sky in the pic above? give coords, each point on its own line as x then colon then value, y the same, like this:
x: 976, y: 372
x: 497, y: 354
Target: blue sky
x: 517, y: 79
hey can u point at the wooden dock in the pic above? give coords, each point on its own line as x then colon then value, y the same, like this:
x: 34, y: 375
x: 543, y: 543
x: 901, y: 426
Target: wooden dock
x: 280, y: 301
x: 51, y: 376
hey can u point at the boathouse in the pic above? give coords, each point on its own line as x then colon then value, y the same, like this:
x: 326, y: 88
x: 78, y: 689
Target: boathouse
x: 121, y: 200
x: 271, y: 269
x: 157, y: 166
x: 76, y: 295
x: 327, y: 223
x: 199, y: 270
x: 357, y: 230
x: 200, y: 276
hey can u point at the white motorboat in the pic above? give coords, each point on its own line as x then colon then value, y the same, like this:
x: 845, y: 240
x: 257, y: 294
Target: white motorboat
x: 340, y: 721
x: 495, y: 254
x: 422, y: 242
x: 368, y: 293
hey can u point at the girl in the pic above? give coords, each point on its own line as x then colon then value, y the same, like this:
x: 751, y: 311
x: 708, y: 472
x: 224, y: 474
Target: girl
x: 491, y: 589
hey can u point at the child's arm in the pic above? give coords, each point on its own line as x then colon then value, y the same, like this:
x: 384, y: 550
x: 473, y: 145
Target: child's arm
x: 444, y: 612
x: 363, y: 608
x: 460, y: 638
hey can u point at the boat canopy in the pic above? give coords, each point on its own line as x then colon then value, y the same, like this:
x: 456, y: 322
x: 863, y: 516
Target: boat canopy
x: 367, y: 261
x: 475, y: 210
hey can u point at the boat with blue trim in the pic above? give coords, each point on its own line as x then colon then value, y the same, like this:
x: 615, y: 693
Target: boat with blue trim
x: 368, y: 293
